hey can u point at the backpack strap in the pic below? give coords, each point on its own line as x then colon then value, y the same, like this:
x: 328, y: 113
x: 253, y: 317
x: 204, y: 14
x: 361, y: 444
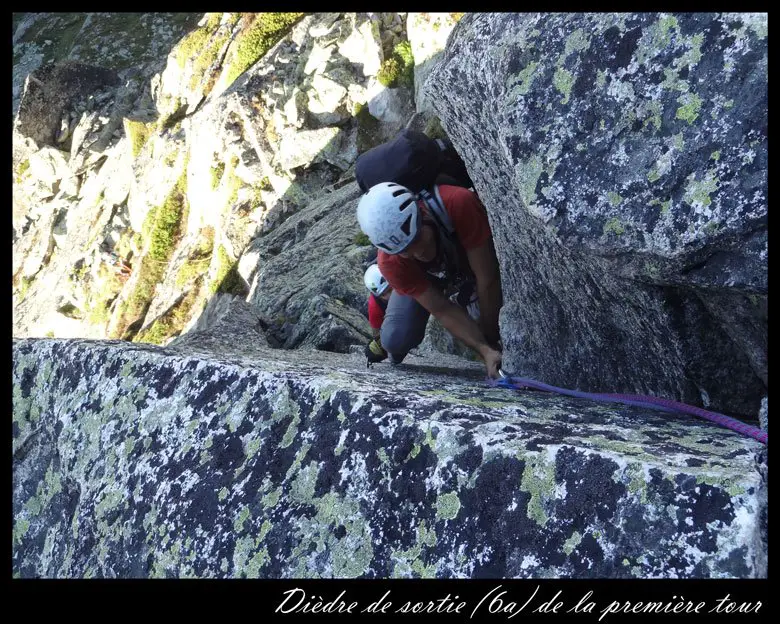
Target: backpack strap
x: 438, y: 211
x: 452, y: 248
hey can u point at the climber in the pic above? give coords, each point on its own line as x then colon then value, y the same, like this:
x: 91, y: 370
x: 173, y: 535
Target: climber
x: 436, y: 252
x: 122, y: 266
x: 112, y: 259
x: 380, y: 292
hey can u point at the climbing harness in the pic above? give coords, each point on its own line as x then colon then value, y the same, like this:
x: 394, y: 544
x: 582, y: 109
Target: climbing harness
x: 665, y: 405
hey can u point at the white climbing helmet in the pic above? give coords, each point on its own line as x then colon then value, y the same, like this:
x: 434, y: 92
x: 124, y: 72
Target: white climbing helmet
x: 375, y: 281
x: 389, y: 215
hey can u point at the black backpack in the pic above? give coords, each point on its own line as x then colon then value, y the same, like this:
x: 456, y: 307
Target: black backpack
x: 414, y: 160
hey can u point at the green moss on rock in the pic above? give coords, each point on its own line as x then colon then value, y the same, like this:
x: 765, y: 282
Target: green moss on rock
x: 398, y: 69
x: 614, y: 226
x: 216, y: 174
x: 563, y: 81
x: 198, y: 260
x: 259, y: 33
x: 697, y: 192
x: 196, y: 41
x: 162, y: 230
x: 138, y: 134
x: 171, y: 323
x: 227, y: 278
x: 361, y: 240
x: 447, y: 506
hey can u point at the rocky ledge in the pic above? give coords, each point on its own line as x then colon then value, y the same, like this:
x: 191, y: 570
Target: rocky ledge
x: 131, y: 460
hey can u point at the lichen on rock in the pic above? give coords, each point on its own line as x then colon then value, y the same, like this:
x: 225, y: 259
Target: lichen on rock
x: 140, y: 461
x: 616, y: 228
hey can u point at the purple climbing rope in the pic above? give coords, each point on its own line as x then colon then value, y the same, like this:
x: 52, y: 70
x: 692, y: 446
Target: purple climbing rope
x: 665, y: 405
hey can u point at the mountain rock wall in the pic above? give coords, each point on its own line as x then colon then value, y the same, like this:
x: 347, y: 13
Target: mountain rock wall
x: 169, y: 197
x: 623, y: 162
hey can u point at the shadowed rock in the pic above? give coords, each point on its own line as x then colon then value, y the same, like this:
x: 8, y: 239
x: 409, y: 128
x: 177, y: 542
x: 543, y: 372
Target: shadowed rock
x: 50, y: 91
x: 227, y: 323
x: 308, y: 282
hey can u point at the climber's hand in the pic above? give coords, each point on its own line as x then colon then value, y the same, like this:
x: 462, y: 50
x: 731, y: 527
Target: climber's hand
x: 492, y: 359
x: 374, y: 353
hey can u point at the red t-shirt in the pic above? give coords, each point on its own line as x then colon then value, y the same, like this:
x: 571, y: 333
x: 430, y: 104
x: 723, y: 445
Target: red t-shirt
x: 472, y: 229
x: 375, y: 313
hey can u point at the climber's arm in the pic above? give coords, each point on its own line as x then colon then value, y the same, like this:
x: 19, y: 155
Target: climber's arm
x: 484, y: 264
x: 459, y: 324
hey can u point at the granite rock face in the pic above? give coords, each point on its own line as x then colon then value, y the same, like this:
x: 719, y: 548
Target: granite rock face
x: 132, y: 460
x: 248, y: 146
x: 623, y: 161
x: 130, y: 43
x: 428, y: 34
x: 226, y: 321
